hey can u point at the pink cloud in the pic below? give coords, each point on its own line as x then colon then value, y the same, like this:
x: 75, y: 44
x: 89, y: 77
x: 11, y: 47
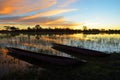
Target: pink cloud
x: 14, y: 7
x: 35, y: 12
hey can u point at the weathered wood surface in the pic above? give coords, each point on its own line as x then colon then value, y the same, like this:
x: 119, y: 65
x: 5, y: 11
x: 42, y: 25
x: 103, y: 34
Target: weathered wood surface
x: 39, y: 57
x: 78, y: 51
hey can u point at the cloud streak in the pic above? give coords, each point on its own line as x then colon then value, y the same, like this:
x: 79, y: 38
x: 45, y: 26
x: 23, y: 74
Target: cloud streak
x: 50, y: 13
x: 67, y: 3
x: 44, y: 12
x: 24, y: 6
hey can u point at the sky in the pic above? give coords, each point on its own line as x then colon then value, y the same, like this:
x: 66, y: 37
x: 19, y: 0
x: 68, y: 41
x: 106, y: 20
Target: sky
x: 74, y: 14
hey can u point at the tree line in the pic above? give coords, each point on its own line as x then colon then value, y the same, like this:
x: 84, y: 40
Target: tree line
x: 38, y: 28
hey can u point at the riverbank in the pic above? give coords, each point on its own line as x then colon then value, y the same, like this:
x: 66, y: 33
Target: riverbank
x: 61, y: 31
x: 107, y: 68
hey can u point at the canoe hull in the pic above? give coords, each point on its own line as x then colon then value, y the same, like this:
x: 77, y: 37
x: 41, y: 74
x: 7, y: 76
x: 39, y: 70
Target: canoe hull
x: 39, y: 57
x: 78, y: 51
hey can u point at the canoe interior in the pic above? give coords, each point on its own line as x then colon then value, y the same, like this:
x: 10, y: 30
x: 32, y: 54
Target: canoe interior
x: 78, y: 51
x: 44, y: 58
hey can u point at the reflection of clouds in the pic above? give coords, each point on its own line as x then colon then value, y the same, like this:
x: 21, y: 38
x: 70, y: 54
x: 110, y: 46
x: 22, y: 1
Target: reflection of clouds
x: 100, y: 42
x: 40, y: 45
x: 105, y: 43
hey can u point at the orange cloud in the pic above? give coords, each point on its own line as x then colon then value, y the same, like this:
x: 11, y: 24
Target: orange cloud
x: 63, y: 24
x: 61, y: 19
x: 6, y: 10
x: 35, y: 12
x: 24, y: 6
x: 50, y: 13
x: 44, y: 21
x: 36, y: 6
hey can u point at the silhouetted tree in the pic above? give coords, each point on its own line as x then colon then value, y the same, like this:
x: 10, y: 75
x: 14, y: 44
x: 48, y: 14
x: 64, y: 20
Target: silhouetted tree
x: 7, y: 27
x: 37, y: 27
x: 13, y: 28
x: 84, y: 28
x: 28, y: 28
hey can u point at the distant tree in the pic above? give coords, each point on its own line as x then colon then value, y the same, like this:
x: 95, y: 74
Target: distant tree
x: 13, y: 28
x: 102, y: 29
x: 84, y: 28
x: 67, y: 28
x: 28, y: 28
x: 7, y: 27
x: 49, y: 27
x: 37, y: 27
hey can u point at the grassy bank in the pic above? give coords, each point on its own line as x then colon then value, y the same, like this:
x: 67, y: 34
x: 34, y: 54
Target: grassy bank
x: 107, y: 68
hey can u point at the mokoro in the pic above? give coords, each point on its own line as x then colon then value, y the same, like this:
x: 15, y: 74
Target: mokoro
x: 50, y: 59
x: 78, y: 51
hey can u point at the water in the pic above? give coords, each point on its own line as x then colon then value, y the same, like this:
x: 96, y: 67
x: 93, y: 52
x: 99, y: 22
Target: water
x: 108, y: 43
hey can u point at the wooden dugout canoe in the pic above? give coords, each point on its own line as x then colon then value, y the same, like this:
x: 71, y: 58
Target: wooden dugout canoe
x: 44, y: 58
x: 78, y: 51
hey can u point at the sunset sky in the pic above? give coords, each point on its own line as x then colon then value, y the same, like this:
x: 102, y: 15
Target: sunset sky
x: 60, y: 13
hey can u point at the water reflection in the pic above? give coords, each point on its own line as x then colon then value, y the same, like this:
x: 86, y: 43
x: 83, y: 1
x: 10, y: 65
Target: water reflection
x: 101, y: 42
x: 10, y: 64
x: 42, y: 44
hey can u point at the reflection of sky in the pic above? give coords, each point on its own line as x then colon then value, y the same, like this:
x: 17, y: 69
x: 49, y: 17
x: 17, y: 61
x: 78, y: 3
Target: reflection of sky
x: 42, y: 43
x: 100, y: 42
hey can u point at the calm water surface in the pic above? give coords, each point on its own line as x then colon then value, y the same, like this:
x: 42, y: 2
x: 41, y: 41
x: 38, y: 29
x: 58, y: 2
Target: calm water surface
x: 108, y: 43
